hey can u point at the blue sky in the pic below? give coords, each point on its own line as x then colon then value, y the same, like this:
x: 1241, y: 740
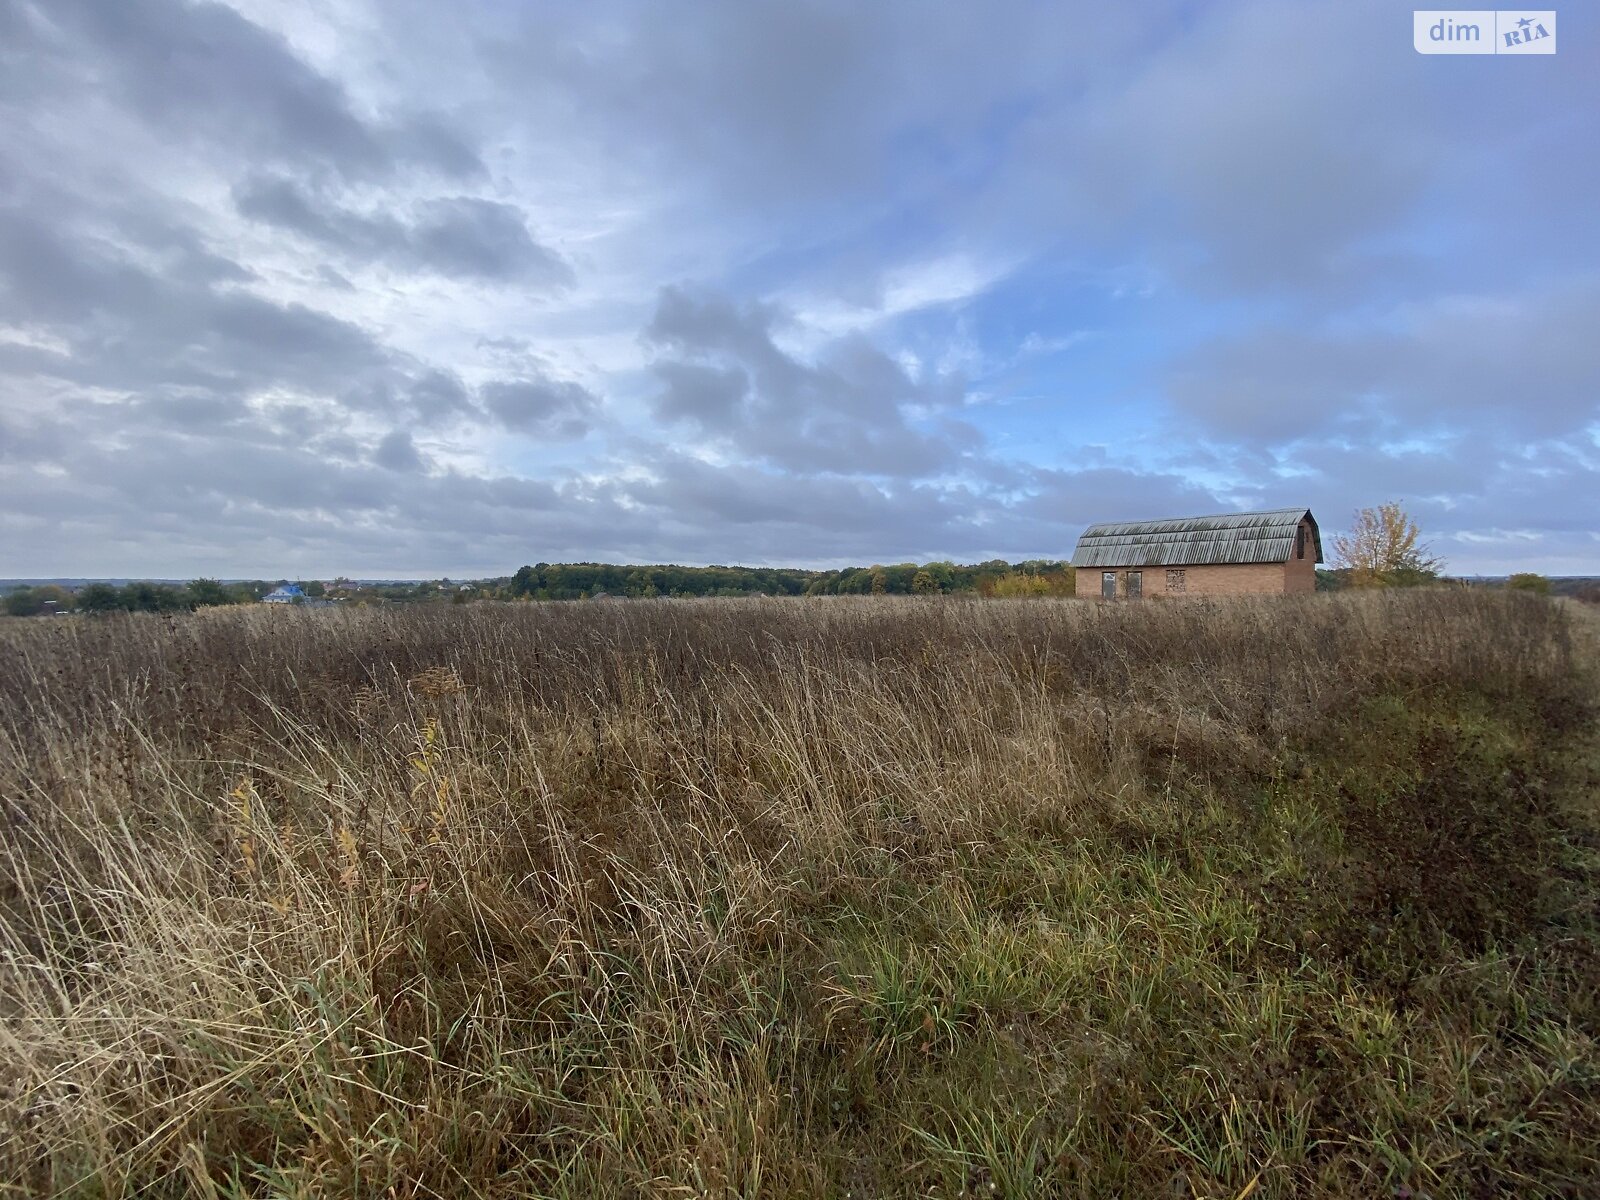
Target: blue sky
x: 304, y: 287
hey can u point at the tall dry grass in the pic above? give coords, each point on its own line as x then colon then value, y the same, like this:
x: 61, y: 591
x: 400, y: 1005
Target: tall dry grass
x: 802, y: 898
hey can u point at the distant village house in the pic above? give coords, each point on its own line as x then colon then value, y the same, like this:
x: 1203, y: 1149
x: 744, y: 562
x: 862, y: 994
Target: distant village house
x: 1234, y: 554
x: 289, y: 593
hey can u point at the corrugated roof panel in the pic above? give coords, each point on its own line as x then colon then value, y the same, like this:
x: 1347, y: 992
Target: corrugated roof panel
x: 1248, y: 537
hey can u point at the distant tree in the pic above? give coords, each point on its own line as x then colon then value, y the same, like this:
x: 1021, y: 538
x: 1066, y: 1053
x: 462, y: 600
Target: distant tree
x: 314, y: 587
x: 52, y: 597
x: 1529, y: 581
x: 155, y: 597
x: 1384, y: 548
x: 922, y: 583
x: 208, y: 593
x: 569, y: 581
x: 24, y: 602
x: 100, y: 597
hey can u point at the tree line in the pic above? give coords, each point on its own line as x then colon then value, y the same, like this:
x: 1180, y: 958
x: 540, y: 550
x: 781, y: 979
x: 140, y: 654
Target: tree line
x: 136, y: 596
x: 576, y: 581
x: 145, y: 596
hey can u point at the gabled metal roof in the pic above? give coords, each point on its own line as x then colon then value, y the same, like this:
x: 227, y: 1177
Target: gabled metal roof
x: 1245, y: 537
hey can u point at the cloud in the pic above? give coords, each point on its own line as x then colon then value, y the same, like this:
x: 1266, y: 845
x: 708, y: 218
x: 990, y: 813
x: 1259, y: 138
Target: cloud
x: 181, y: 321
x: 458, y: 236
x: 396, y: 452
x: 202, y: 72
x: 849, y: 411
x: 1520, y: 364
x: 547, y: 408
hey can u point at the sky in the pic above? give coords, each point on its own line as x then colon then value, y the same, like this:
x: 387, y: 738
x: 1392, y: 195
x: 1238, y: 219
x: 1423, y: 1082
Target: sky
x: 297, y: 288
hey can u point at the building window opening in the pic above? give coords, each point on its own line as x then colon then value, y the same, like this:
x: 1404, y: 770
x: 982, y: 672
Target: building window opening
x: 1300, y: 542
x: 1135, y: 584
x: 1177, y: 580
x: 1108, y: 585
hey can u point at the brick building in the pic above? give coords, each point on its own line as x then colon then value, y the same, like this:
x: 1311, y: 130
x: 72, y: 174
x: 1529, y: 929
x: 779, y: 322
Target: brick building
x: 1266, y: 553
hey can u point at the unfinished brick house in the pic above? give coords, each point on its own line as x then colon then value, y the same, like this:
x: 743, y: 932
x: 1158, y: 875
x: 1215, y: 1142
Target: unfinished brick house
x: 1234, y: 554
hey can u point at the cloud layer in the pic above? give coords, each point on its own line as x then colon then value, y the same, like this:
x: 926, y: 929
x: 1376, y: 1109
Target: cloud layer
x: 294, y: 288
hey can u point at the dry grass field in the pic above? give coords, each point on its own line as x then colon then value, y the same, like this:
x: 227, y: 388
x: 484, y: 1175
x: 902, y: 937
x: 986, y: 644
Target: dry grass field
x: 865, y: 898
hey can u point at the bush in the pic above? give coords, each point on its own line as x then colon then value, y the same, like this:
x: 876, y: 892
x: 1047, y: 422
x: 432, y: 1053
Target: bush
x: 1015, y: 584
x: 1527, y: 581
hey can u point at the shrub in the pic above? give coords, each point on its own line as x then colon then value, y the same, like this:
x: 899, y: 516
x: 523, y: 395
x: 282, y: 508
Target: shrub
x: 1528, y: 581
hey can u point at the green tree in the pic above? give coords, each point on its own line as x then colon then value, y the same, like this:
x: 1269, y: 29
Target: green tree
x: 208, y: 593
x: 100, y: 597
x: 24, y: 602
x: 33, y: 601
x: 924, y: 584
x: 154, y: 597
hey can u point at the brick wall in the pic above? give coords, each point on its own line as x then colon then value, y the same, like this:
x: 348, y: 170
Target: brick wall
x: 1236, y: 579
x: 1233, y: 579
x: 1300, y: 574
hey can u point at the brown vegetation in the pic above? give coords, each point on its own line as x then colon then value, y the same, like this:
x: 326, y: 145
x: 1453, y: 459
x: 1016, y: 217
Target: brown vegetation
x: 818, y: 898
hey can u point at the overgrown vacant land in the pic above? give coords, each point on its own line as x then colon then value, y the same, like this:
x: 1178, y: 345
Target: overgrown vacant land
x: 804, y: 898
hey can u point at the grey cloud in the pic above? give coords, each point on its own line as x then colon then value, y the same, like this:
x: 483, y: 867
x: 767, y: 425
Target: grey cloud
x: 708, y: 396
x: 121, y: 493
x: 120, y: 490
x: 1524, y: 365
x: 1277, y: 175
x: 775, y: 108
x: 1275, y: 386
x: 466, y: 236
x: 396, y: 452
x: 1461, y: 485
x: 203, y: 71
x: 333, y: 278
x: 457, y: 236
x: 437, y: 396
x: 428, y: 399
x: 846, y: 412
x: 544, y: 407
x: 1238, y: 162
x: 280, y: 201
x: 131, y: 327
x: 1075, y: 499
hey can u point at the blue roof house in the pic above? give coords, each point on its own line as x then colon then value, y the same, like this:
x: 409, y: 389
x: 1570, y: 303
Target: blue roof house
x: 287, y: 594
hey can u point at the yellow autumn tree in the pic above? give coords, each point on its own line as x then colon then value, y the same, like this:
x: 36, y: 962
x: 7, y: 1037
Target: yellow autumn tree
x: 1384, y: 548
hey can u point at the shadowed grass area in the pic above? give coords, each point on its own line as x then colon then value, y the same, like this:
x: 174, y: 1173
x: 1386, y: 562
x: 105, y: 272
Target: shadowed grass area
x: 876, y: 897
